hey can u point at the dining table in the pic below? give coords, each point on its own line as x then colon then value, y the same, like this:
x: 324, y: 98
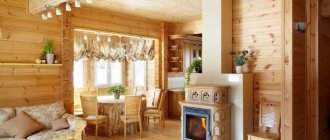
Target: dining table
x: 113, y: 109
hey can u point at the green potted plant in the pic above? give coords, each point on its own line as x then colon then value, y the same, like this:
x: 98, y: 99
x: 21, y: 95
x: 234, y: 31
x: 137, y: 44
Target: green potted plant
x: 49, y: 45
x: 195, y: 66
x: 240, y: 58
x: 116, y: 90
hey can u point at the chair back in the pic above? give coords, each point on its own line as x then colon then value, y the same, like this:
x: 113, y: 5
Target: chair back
x: 156, y: 97
x: 133, y: 105
x: 89, y: 105
x: 269, y: 120
x: 163, y: 97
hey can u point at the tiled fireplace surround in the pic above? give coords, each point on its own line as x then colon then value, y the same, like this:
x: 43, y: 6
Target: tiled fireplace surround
x: 206, y: 113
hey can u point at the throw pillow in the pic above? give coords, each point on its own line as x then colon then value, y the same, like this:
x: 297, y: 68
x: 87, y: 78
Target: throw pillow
x: 5, y: 114
x: 60, y: 124
x: 21, y: 126
x: 44, y: 114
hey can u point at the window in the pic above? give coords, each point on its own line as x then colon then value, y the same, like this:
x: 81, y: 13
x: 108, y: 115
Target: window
x: 107, y: 73
x: 139, y: 73
x: 78, y: 74
x: 116, y: 73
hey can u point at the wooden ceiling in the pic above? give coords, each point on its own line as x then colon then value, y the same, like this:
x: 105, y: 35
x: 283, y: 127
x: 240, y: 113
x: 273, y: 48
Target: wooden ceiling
x: 176, y: 11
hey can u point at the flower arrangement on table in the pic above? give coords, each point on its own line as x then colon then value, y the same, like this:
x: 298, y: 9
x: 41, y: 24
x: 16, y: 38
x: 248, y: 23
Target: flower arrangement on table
x: 116, y: 90
x: 240, y: 58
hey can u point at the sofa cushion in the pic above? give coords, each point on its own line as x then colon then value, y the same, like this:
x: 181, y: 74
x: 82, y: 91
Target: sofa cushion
x: 21, y: 126
x: 45, y: 114
x: 64, y: 134
x: 5, y: 115
x: 60, y: 124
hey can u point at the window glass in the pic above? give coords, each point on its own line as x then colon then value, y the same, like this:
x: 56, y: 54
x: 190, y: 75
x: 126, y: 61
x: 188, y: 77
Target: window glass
x: 139, y: 73
x: 78, y: 74
x: 101, y: 73
x: 116, y: 73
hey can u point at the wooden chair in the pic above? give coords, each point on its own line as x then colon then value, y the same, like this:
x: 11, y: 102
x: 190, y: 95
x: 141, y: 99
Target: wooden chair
x: 132, y: 112
x: 158, y: 112
x: 90, y: 113
x: 155, y: 99
x: 269, y: 122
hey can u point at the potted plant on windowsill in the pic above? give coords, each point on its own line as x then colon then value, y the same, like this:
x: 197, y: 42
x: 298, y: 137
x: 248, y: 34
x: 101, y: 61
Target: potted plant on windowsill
x: 49, y: 45
x: 195, y: 66
x: 240, y: 58
x: 116, y: 90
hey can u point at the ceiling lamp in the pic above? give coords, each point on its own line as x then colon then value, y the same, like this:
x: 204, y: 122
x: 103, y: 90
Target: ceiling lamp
x: 44, y: 16
x: 89, y: 1
x: 98, y: 38
x: 109, y: 39
x: 67, y: 6
x: 85, y: 37
x: 58, y: 11
x: 77, y: 3
x: 49, y: 14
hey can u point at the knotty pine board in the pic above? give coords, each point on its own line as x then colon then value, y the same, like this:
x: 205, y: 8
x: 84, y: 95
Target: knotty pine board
x: 257, y: 25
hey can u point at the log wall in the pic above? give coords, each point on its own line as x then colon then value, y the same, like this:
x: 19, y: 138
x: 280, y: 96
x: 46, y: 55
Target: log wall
x: 257, y: 26
x: 22, y: 82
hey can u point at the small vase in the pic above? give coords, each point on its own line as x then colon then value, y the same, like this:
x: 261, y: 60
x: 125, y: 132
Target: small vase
x: 116, y: 95
x: 238, y: 69
x: 50, y: 58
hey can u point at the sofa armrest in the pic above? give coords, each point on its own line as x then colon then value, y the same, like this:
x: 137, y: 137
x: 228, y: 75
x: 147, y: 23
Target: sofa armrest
x: 77, y: 124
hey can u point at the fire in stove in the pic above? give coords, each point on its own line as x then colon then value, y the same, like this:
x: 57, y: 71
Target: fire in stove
x: 196, y: 127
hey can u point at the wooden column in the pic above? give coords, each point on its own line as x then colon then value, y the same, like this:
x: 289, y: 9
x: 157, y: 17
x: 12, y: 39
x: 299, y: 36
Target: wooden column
x: 312, y: 62
x: 67, y: 60
x: 294, y: 100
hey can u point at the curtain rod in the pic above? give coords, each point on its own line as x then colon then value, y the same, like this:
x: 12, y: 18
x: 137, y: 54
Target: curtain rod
x: 111, y: 33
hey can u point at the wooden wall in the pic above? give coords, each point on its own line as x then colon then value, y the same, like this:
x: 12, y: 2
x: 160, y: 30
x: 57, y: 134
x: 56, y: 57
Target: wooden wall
x: 26, y: 35
x: 294, y: 110
x: 194, y: 27
x: 26, y: 84
x: 257, y: 25
x: 323, y: 76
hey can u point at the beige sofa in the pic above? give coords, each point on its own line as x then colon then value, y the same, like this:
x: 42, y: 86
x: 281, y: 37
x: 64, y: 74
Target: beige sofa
x: 45, y: 114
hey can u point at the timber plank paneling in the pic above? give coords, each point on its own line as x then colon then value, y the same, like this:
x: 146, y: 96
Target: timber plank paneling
x: 21, y: 81
x: 322, y: 70
x: 257, y: 25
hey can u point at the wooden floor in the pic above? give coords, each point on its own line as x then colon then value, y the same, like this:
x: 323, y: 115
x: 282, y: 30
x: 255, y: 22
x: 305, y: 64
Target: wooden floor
x: 172, y: 131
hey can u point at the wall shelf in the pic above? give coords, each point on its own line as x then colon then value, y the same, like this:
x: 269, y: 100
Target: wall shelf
x: 29, y: 65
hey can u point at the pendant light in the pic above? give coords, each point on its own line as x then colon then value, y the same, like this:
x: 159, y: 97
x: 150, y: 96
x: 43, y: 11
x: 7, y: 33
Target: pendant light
x: 77, y: 3
x: 49, y: 14
x: 109, y: 39
x: 58, y: 11
x: 85, y: 37
x: 98, y: 38
x: 44, y: 16
x: 67, y: 6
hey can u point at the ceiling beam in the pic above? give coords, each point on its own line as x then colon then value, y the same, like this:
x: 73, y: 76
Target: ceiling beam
x: 36, y: 6
x: 325, y: 8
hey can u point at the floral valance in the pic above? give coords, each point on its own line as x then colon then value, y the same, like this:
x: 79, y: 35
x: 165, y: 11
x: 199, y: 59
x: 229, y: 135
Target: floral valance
x: 128, y: 48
